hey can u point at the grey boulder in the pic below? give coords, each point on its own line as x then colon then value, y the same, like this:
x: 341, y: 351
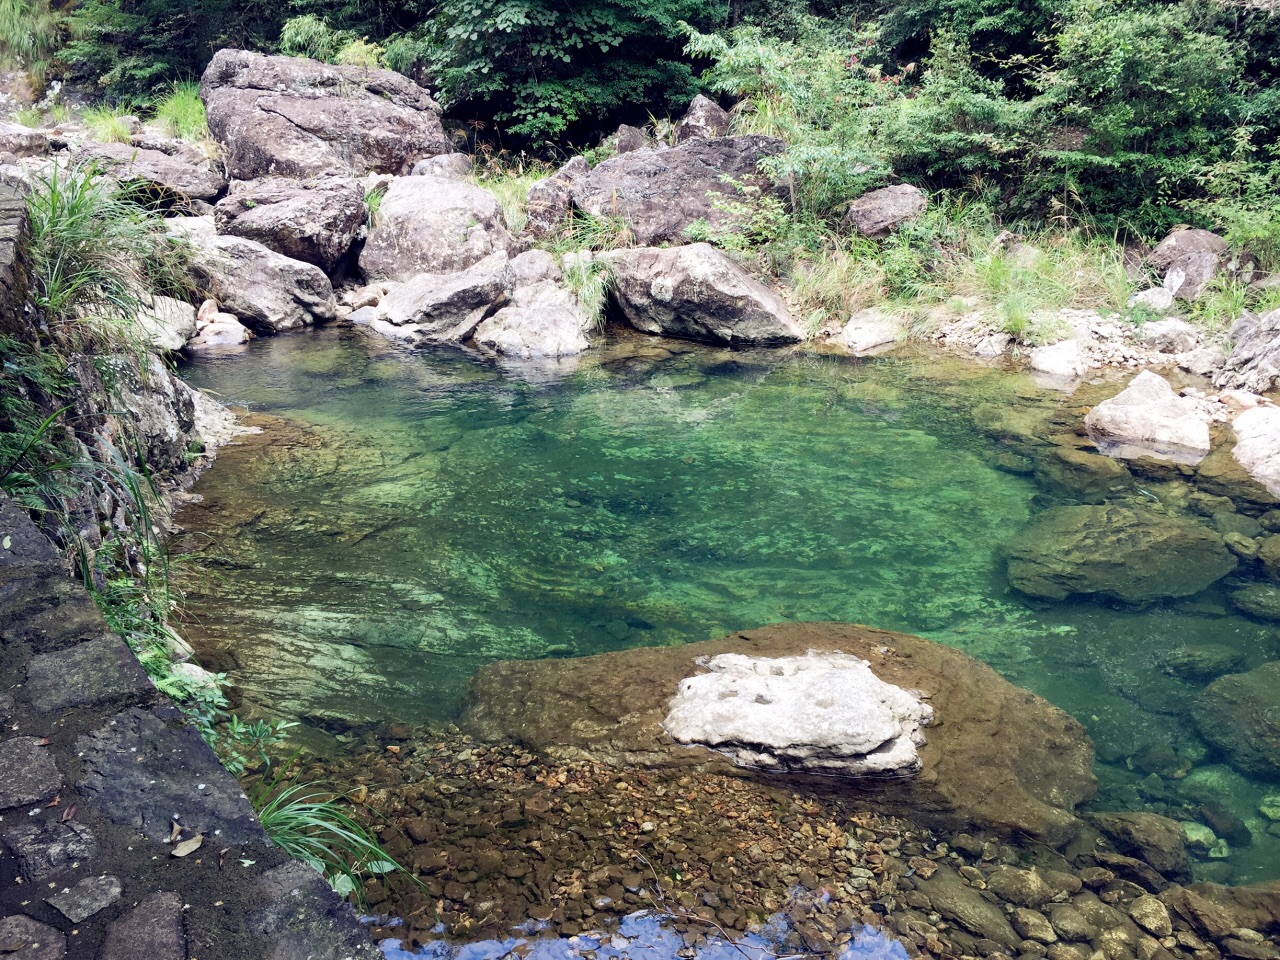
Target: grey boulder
x: 1148, y: 419
x: 1257, y: 446
x: 184, y: 177
x: 1254, y: 362
x: 433, y: 225
x: 1240, y: 715
x: 315, y: 221
x: 705, y: 118
x: 542, y: 321
x: 698, y: 293
x: 22, y: 141
x: 659, y: 193
x: 167, y: 323
x: 293, y: 117
x: 266, y: 291
x: 1188, y: 260
x: 823, y: 713
x: 880, y: 212
x: 549, y: 202
x: 447, y: 166
x: 448, y: 306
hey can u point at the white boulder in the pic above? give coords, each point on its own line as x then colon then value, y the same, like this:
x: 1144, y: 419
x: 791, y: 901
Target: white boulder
x: 1148, y: 419
x: 1257, y: 446
x: 869, y: 332
x: 541, y: 321
x: 1064, y: 360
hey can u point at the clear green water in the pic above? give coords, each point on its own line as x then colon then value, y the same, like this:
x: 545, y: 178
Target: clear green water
x: 426, y: 512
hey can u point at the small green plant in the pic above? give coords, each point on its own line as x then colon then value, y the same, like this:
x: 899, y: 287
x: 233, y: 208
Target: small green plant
x: 106, y: 123
x: 310, y: 36
x: 359, y: 53
x: 586, y: 232
x: 181, y: 112
x: 59, y: 113
x: 373, y: 198
x: 313, y: 825
x: 29, y: 117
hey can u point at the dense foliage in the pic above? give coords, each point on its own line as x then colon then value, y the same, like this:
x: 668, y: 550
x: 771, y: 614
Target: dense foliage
x: 1137, y: 113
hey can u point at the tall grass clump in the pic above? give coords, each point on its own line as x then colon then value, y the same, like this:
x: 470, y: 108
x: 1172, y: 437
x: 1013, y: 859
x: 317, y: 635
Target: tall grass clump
x: 181, y: 112
x: 106, y: 123
x: 588, y: 280
x: 96, y: 251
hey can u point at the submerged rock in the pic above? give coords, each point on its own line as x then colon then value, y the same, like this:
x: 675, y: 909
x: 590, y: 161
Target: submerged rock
x: 1158, y: 841
x: 293, y: 117
x: 1240, y: 715
x: 998, y: 757
x: 1200, y: 663
x: 698, y: 293
x: 1148, y: 419
x: 1259, y: 600
x: 1131, y: 555
x: 433, y: 225
x: 820, y: 713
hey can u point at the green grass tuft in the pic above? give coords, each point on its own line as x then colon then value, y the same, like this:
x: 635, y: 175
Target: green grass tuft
x: 106, y: 123
x: 182, y: 113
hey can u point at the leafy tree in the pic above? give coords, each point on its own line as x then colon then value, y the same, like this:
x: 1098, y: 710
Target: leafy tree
x: 544, y: 68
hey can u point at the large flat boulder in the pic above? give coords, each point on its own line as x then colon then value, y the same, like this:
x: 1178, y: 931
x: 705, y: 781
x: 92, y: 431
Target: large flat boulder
x: 22, y: 141
x: 186, y: 176
x: 1133, y: 555
x: 433, y: 225
x: 315, y: 221
x: 267, y: 291
x: 697, y: 293
x: 995, y: 757
x: 1240, y: 715
x: 658, y: 193
x: 542, y: 321
x: 293, y: 117
x: 1148, y: 419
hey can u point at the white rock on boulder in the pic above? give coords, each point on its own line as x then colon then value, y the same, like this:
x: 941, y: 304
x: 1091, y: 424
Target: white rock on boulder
x: 1257, y: 446
x: 869, y: 332
x: 220, y: 332
x: 1148, y: 419
x: 823, y: 713
x: 433, y: 225
x: 1060, y: 361
x: 542, y: 321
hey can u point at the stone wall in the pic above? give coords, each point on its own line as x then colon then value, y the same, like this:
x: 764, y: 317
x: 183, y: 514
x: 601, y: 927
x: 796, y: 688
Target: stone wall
x: 98, y: 772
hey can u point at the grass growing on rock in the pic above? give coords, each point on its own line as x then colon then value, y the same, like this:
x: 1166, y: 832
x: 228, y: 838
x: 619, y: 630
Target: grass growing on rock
x: 106, y: 124
x: 181, y: 113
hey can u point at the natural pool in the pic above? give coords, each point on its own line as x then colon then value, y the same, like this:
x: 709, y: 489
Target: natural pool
x: 420, y: 513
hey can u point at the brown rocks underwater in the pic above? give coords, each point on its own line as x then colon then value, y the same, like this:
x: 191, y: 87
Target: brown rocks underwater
x: 560, y: 805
